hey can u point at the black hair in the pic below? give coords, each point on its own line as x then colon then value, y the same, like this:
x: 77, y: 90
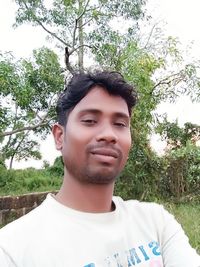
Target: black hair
x: 81, y: 83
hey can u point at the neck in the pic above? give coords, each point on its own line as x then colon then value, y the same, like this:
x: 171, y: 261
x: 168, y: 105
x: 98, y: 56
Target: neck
x: 92, y: 198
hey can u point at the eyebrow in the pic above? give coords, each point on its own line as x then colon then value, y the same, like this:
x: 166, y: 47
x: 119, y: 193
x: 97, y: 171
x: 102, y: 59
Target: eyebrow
x: 97, y: 111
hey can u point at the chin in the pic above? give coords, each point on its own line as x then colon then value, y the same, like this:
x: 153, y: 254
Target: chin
x: 101, y: 177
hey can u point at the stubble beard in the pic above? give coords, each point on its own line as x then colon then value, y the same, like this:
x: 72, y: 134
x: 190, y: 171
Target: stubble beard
x: 88, y: 174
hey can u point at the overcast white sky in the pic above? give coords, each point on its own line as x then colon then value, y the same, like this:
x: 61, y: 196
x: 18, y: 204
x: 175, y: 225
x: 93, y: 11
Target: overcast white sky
x: 182, y: 18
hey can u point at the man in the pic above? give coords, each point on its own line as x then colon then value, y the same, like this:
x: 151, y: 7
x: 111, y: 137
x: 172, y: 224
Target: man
x: 84, y: 225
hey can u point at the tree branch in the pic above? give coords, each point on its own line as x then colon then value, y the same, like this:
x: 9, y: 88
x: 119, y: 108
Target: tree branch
x: 168, y: 80
x: 84, y: 10
x: 68, y: 65
x: 51, y: 33
x: 29, y: 128
x: 151, y: 32
x: 73, y: 50
x: 76, y: 23
x: 85, y: 23
x: 48, y: 31
x: 74, y: 34
x: 15, y: 150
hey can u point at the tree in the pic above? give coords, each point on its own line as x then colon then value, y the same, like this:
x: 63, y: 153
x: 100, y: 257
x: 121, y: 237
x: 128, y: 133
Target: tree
x: 176, y: 136
x: 84, y: 28
x: 77, y: 26
x: 28, y: 93
x: 80, y: 26
x: 182, y: 159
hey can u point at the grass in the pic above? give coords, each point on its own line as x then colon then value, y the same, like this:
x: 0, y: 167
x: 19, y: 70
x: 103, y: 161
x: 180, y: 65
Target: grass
x: 188, y: 215
x: 18, y: 182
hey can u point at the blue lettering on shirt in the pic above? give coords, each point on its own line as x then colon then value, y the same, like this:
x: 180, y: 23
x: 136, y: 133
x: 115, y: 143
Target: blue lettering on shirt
x: 133, y: 256
x: 155, y: 248
x: 146, y: 257
x: 116, y: 256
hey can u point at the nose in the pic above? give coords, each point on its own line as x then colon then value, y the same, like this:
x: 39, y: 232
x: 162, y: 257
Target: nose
x: 107, y: 134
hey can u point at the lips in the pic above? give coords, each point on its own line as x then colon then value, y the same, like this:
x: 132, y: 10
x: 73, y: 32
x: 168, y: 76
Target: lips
x: 105, y: 152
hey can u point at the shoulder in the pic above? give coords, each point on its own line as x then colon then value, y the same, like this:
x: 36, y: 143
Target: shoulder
x: 148, y: 214
x: 23, y: 227
x: 15, y: 237
x: 140, y: 208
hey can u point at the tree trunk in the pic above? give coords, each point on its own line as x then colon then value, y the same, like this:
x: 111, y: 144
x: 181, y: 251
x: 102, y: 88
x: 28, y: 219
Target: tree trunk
x: 80, y: 36
x: 11, y: 162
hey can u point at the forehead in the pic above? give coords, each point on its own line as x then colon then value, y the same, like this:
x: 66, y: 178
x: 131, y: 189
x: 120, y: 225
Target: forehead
x: 99, y: 99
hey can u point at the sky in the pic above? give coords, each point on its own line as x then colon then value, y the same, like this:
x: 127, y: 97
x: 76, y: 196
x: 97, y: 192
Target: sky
x: 181, y: 19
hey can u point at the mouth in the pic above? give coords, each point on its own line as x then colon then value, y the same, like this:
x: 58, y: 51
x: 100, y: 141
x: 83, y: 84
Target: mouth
x: 105, y: 152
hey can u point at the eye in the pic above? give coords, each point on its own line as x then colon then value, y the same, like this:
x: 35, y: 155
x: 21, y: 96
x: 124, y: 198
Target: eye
x: 88, y: 122
x: 120, y: 124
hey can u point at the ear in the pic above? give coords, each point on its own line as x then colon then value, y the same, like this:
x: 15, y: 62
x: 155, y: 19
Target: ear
x: 58, y: 133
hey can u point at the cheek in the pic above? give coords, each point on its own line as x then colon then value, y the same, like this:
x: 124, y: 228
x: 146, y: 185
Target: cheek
x: 127, y: 150
x: 127, y: 143
x: 77, y: 140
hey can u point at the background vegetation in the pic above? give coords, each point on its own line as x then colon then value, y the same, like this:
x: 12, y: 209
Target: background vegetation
x: 187, y: 215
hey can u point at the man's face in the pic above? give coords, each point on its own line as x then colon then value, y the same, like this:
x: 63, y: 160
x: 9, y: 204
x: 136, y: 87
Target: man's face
x: 96, y: 140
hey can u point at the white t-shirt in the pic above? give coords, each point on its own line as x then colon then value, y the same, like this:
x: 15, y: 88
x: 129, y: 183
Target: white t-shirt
x: 134, y: 234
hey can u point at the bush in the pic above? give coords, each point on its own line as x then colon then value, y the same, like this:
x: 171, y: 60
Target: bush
x: 14, y: 182
x: 140, y: 178
x: 181, y: 175
x: 57, y: 168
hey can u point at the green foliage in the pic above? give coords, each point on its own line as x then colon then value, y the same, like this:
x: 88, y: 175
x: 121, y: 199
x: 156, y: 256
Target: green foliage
x: 57, y: 168
x: 184, y: 169
x: 29, y: 90
x: 80, y: 25
x: 181, y: 164
x: 31, y: 86
x: 141, y: 176
x: 177, y: 136
x: 14, y: 182
x: 187, y: 215
x: 46, y: 164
